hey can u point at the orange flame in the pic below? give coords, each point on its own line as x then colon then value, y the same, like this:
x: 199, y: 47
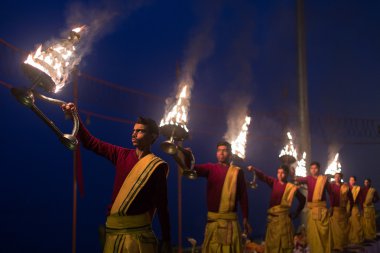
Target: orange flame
x: 58, y: 60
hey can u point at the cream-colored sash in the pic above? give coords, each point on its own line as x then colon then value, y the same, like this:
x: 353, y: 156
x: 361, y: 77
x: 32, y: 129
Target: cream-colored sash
x: 319, y: 187
x: 228, y: 197
x: 134, y: 182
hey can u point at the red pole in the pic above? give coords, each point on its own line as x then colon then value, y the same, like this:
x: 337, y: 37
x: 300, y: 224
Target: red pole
x: 75, y: 188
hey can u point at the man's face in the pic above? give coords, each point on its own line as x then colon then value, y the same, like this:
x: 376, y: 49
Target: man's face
x: 141, y: 138
x: 281, y: 175
x: 367, y: 183
x: 352, y: 181
x: 223, y: 154
x: 338, y: 177
x: 314, y: 170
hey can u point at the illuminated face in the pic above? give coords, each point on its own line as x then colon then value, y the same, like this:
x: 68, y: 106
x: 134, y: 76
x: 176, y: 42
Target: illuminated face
x: 352, y: 181
x: 281, y: 175
x: 367, y: 183
x: 223, y: 154
x: 337, y: 177
x: 314, y: 170
x: 141, y: 138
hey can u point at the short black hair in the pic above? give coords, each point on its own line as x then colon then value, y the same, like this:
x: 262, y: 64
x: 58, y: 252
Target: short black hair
x: 368, y: 179
x: 151, y: 125
x: 285, y: 168
x: 354, y: 177
x: 224, y: 143
x: 316, y: 164
x: 340, y: 173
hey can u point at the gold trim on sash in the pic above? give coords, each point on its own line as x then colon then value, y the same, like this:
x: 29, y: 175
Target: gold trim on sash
x: 134, y: 182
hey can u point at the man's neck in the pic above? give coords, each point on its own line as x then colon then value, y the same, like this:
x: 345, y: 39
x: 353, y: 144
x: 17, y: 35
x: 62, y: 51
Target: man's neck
x: 142, y: 152
x: 315, y: 176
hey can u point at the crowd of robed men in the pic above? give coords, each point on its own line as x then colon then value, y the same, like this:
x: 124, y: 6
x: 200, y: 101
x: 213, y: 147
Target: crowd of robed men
x: 140, y: 193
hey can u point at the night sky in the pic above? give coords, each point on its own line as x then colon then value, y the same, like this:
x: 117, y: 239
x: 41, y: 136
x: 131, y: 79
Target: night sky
x: 248, y: 53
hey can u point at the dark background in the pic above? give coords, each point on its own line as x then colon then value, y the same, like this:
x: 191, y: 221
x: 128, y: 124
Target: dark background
x: 253, y: 55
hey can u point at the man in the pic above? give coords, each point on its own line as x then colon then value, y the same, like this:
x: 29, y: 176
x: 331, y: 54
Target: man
x: 318, y: 227
x: 279, y: 233
x: 369, y: 196
x: 225, y: 187
x: 140, y: 188
x: 355, y: 234
x: 340, y: 197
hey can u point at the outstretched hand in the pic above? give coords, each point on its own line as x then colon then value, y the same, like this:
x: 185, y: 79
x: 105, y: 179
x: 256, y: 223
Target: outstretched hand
x: 68, y: 108
x: 251, y: 168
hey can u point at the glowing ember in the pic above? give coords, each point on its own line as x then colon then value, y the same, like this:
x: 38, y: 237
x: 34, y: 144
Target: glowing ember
x: 334, y: 167
x: 289, y: 148
x: 301, y: 170
x: 58, y: 60
x: 238, y: 145
x: 177, y: 113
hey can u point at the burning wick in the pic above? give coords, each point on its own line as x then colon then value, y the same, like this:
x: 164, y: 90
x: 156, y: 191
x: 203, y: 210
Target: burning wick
x: 177, y: 115
x: 334, y: 166
x: 289, y: 148
x: 239, y: 144
x: 58, y: 60
x: 301, y: 170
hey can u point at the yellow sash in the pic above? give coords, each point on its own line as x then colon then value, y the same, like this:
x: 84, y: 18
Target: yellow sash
x: 287, y: 197
x: 319, y: 187
x: 228, y: 197
x: 369, y: 198
x: 134, y: 182
x: 355, y: 192
x: 222, y: 230
x: 344, y: 188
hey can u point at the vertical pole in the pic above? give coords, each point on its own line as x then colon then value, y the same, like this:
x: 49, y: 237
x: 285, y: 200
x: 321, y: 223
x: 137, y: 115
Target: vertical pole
x: 75, y: 189
x: 179, y: 179
x: 303, y: 106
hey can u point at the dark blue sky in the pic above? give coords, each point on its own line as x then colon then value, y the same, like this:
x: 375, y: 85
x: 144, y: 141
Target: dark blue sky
x: 254, y: 55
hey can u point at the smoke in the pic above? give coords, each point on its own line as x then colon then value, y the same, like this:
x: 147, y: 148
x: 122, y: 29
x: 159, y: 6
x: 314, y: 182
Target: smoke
x: 200, y: 46
x: 238, y: 110
x: 99, y: 18
x: 239, y: 96
x: 333, y: 149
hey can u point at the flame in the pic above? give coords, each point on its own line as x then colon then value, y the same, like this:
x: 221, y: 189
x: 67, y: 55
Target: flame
x: 238, y: 145
x: 177, y: 115
x: 334, y: 166
x: 289, y: 148
x: 301, y: 170
x: 58, y: 60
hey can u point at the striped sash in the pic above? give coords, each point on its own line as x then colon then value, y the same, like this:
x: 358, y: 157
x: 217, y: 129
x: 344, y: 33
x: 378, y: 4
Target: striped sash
x: 134, y: 182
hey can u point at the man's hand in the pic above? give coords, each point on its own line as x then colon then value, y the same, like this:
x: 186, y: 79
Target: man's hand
x: 68, y: 108
x: 165, y: 247
x: 247, y: 227
x: 250, y: 168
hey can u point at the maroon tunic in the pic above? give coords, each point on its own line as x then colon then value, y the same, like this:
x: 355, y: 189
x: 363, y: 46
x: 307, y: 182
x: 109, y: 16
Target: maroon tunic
x: 310, y: 182
x: 215, y: 174
x: 334, y: 195
x: 278, y: 190
x: 152, y: 195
